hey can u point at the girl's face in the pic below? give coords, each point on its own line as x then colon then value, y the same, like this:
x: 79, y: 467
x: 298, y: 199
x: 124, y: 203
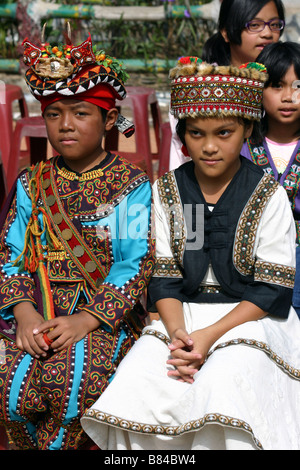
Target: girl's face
x: 282, y: 102
x: 214, y: 145
x: 253, y: 43
x: 76, y: 129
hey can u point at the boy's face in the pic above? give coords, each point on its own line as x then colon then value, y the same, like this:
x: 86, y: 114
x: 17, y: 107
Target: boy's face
x: 214, y: 145
x: 76, y: 129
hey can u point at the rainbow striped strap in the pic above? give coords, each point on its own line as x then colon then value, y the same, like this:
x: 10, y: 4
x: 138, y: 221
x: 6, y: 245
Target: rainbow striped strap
x: 67, y: 233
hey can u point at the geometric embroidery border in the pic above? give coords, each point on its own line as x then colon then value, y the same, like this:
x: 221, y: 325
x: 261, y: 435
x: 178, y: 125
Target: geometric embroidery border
x: 283, y: 365
x: 191, y: 426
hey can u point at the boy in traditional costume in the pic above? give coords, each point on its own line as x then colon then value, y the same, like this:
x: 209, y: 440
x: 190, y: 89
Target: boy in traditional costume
x: 223, y: 372
x: 76, y: 254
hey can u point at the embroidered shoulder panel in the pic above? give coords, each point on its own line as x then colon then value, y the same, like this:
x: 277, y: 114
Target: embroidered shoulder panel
x: 275, y: 274
x: 103, y: 189
x: 292, y: 181
x: 243, y: 250
x: 25, y: 179
x: 4, y: 253
x: 170, y: 199
x: 297, y: 226
x: 166, y: 267
x: 259, y: 157
x: 292, y: 176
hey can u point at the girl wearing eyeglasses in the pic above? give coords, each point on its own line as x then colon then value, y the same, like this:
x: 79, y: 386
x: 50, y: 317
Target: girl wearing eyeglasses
x: 276, y: 148
x: 244, y: 28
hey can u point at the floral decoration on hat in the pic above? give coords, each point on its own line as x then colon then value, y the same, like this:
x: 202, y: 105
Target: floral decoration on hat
x: 68, y: 69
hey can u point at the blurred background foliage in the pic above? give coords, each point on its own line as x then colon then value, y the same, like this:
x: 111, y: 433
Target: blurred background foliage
x: 8, y: 35
x: 165, y: 39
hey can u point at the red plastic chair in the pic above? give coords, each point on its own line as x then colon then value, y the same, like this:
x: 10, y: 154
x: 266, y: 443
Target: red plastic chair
x: 142, y: 101
x: 3, y: 186
x: 164, y: 156
x: 34, y: 129
x: 9, y: 95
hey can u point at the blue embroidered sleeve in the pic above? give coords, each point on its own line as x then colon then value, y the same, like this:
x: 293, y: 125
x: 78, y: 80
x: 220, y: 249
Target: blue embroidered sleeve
x: 15, y: 286
x: 133, y: 258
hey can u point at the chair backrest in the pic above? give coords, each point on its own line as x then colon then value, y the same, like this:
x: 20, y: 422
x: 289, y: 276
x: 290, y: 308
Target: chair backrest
x: 11, y: 94
x: 3, y: 185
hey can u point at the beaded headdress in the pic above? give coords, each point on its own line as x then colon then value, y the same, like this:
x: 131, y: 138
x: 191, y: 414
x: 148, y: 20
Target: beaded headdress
x: 207, y: 90
x: 79, y: 72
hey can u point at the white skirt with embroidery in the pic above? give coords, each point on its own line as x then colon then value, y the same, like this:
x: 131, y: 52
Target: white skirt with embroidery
x: 245, y: 396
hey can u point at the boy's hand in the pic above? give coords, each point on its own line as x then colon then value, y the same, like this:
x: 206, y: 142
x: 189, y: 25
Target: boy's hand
x: 66, y: 330
x: 29, y: 319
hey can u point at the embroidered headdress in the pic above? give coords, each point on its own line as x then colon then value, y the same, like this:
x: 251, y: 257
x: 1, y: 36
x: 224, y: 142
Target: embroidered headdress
x: 78, y: 72
x: 207, y: 90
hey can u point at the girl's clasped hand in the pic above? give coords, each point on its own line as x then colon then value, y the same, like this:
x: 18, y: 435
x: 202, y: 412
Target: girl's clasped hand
x: 188, y: 353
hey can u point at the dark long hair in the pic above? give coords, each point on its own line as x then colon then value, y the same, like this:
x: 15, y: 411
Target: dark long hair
x: 233, y: 16
x: 278, y: 58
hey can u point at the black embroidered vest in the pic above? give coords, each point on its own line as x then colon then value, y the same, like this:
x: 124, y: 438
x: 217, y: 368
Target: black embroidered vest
x: 229, y: 230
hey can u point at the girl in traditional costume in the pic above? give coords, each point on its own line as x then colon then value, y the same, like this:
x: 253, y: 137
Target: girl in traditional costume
x: 75, y: 252
x: 244, y: 29
x: 276, y: 147
x: 219, y: 369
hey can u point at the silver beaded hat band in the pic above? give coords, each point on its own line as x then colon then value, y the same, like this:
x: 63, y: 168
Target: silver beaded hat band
x: 201, y: 89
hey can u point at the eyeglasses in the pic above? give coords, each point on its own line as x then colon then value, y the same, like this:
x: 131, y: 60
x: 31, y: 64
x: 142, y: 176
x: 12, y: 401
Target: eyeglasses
x: 256, y: 26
